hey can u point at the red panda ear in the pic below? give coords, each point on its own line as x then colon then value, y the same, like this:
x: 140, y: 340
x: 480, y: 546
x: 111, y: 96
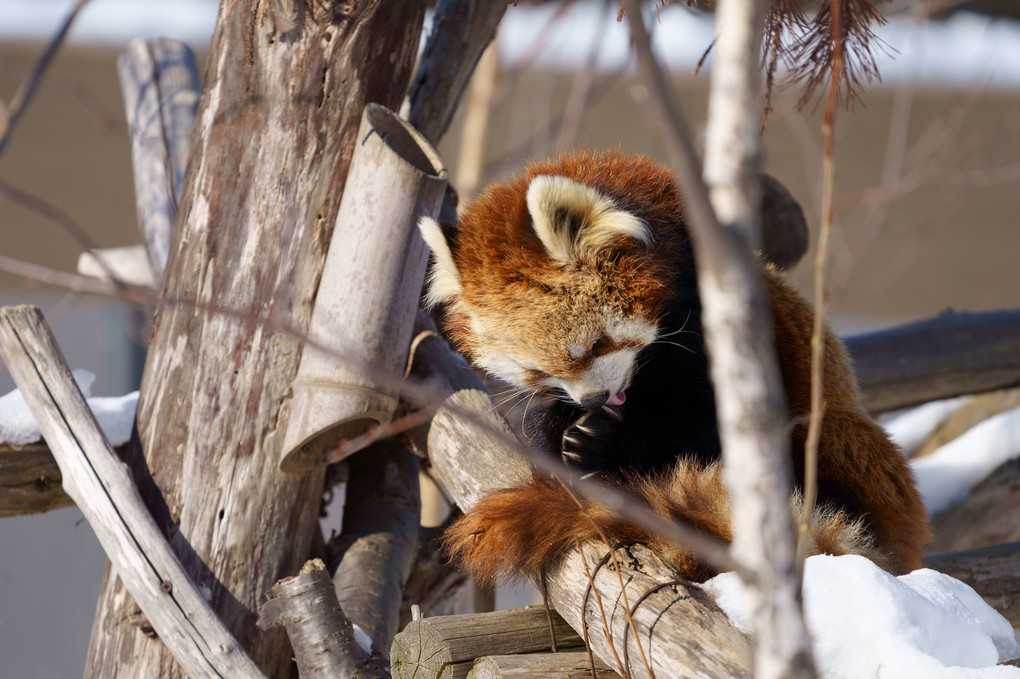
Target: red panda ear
x: 444, y: 279
x: 574, y: 221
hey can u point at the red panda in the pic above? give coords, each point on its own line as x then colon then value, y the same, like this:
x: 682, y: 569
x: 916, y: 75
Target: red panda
x: 576, y: 279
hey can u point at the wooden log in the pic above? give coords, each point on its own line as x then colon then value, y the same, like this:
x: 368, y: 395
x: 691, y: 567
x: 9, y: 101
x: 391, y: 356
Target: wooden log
x: 990, y: 515
x: 681, y: 630
x: 160, y: 85
x: 274, y: 135
x: 101, y: 486
x: 993, y: 572
x: 380, y: 538
x: 322, y: 636
x: 30, y: 481
x: 365, y: 306
x: 446, y: 646
x: 460, y: 33
x: 951, y: 354
x: 563, y: 665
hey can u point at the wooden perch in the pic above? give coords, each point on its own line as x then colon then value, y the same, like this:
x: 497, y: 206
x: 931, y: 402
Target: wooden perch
x: 565, y: 665
x: 446, y: 646
x: 367, y: 297
x: 102, y: 487
x: 951, y: 354
x: 993, y: 572
x: 322, y: 636
x: 159, y: 81
x: 681, y: 630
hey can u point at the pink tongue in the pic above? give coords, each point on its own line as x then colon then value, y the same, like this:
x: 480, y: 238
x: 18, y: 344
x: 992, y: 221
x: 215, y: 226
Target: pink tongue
x: 618, y: 399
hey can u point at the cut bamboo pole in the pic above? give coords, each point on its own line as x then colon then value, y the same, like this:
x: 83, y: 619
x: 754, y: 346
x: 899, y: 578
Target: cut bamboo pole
x: 369, y: 291
x: 102, y: 487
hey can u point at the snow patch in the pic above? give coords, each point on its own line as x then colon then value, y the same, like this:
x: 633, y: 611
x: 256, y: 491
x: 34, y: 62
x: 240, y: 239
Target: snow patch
x: 947, y: 475
x: 867, y: 623
x: 115, y: 414
x: 363, y: 641
x: 911, y: 428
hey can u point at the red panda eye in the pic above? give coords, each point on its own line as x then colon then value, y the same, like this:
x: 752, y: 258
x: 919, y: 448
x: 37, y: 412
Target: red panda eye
x: 599, y: 346
x: 533, y: 376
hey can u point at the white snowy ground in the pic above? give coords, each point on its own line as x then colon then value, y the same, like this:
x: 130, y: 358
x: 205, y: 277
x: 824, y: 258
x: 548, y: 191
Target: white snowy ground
x: 868, y: 624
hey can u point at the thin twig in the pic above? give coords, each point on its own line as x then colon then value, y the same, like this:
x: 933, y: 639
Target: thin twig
x: 602, y: 612
x: 821, y: 257
x: 28, y: 88
x: 577, y: 100
x: 60, y: 218
x: 619, y: 577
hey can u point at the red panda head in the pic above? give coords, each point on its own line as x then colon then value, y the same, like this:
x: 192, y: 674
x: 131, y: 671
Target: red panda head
x: 556, y: 279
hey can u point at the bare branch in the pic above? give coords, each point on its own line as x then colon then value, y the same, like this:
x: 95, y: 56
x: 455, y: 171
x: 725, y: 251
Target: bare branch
x: 23, y: 96
x: 103, y: 489
x: 744, y: 372
x: 322, y: 636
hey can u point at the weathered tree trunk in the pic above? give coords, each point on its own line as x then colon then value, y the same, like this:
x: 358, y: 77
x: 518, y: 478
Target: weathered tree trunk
x: 274, y: 136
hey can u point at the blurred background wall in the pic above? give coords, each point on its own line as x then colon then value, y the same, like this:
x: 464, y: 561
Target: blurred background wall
x: 928, y: 190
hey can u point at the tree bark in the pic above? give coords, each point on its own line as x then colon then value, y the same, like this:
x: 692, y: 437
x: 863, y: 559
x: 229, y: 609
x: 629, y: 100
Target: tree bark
x: 380, y: 538
x: 322, y: 636
x: 159, y: 81
x: 29, y: 481
x: 275, y: 132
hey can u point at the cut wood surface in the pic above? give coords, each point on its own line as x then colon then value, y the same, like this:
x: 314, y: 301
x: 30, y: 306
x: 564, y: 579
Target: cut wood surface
x: 322, y: 636
x: 562, y: 665
x: 30, y: 481
x: 446, y: 646
x: 951, y: 354
x: 159, y: 81
x: 993, y: 572
x: 102, y: 487
x: 274, y: 135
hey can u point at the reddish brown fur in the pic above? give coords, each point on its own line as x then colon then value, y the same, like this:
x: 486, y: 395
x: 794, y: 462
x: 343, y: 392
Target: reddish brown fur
x: 522, y: 530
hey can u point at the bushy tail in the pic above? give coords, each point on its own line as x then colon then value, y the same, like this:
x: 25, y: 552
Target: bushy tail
x: 519, y: 532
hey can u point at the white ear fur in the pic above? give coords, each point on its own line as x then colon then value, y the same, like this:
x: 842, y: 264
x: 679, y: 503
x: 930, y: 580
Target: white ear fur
x: 444, y: 281
x: 574, y: 220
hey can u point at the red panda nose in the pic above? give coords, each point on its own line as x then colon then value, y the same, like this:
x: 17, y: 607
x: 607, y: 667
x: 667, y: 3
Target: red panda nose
x: 596, y: 401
